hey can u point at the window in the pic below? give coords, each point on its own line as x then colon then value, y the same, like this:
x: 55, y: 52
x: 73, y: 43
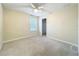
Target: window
x: 33, y: 23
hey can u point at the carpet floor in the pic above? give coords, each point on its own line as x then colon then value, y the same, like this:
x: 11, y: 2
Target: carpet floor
x: 37, y: 46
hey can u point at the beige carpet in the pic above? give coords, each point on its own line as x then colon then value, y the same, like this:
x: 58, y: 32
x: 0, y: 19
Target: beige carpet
x: 37, y: 46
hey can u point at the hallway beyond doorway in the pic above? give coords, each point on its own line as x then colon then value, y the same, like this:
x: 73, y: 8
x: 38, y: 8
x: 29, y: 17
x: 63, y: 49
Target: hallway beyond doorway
x: 44, y: 26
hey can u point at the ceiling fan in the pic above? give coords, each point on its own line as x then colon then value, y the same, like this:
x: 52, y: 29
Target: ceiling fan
x: 37, y: 7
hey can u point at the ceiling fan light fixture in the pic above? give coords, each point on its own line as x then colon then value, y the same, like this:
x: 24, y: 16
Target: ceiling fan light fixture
x: 36, y: 10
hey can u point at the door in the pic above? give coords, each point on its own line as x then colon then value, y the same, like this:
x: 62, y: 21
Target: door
x: 44, y: 26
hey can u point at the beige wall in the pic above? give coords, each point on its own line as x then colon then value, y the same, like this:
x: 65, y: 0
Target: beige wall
x: 1, y: 21
x: 78, y: 29
x: 62, y: 24
x: 16, y: 25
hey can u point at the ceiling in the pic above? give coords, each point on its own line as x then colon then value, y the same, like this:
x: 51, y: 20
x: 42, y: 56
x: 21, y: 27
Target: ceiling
x: 26, y: 7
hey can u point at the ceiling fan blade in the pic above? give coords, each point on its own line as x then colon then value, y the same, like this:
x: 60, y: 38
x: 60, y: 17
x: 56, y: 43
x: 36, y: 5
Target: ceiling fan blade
x: 40, y: 7
x: 33, y: 5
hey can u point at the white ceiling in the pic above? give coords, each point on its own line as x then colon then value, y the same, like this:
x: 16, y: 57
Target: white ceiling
x: 26, y: 7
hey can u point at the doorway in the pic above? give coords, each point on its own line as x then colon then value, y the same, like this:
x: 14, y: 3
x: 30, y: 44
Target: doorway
x: 44, y: 26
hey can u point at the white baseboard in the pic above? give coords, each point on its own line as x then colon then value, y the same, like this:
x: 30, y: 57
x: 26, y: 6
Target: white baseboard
x: 16, y: 39
x: 47, y: 36
x: 62, y: 41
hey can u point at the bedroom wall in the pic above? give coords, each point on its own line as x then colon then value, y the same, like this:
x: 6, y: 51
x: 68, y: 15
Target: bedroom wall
x: 78, y: 29
x: 16, y: 25
x: 62, y: 24
x: 1, y: 25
